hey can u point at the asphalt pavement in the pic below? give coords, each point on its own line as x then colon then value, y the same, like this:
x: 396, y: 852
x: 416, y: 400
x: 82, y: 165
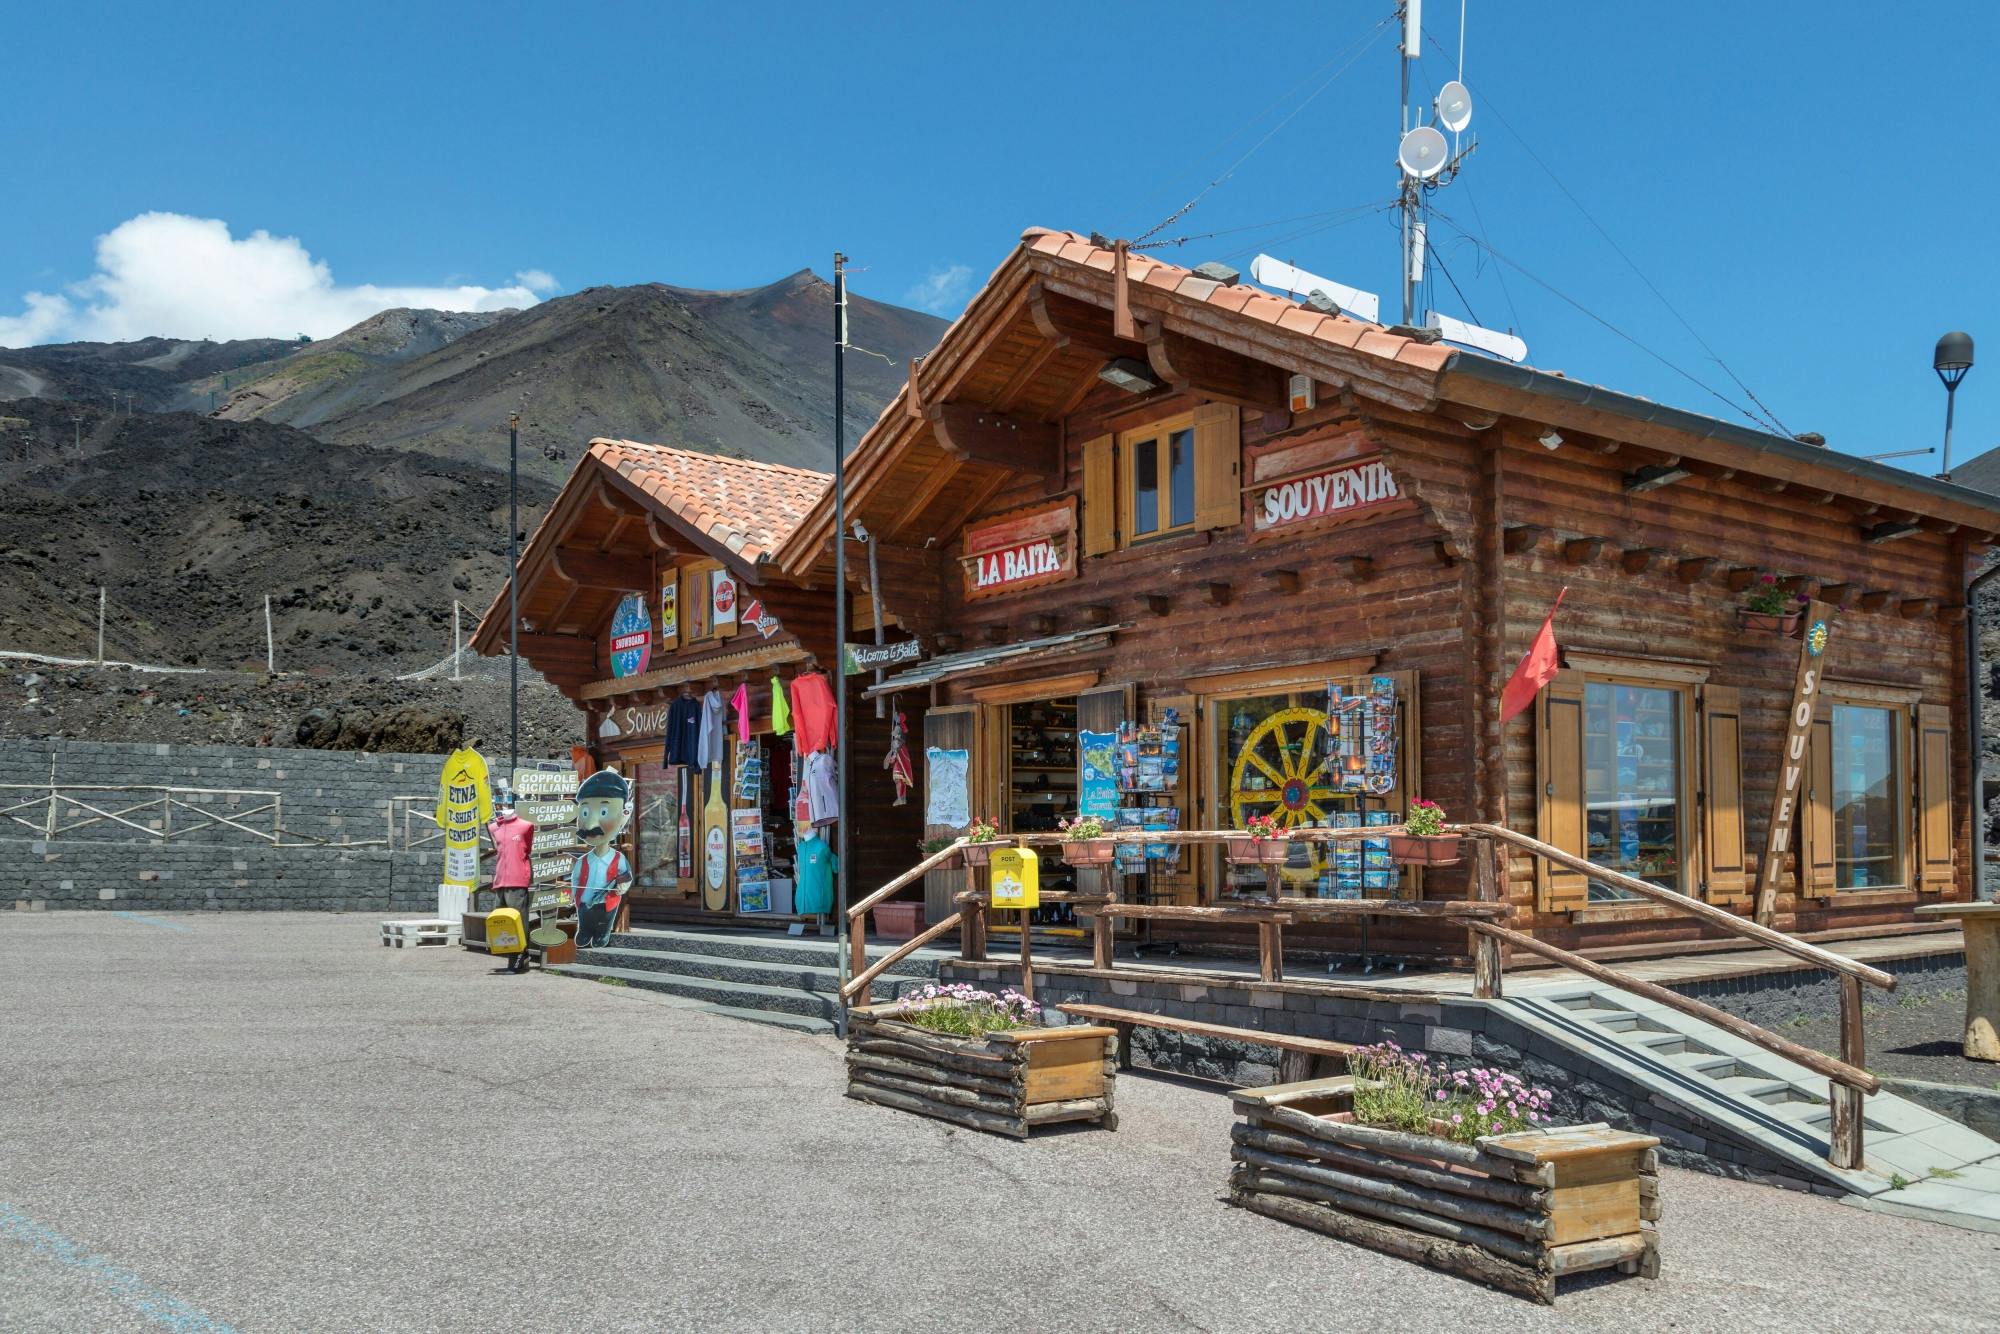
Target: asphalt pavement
x: 270, y: 1122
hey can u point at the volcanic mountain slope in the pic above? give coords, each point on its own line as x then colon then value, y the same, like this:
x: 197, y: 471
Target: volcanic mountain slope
x: 190, y: 521
x: 746, y: 373
x: 160, y: 374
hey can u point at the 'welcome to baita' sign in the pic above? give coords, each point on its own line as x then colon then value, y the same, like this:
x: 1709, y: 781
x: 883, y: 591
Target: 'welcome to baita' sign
x: 1020, y: 551
x: 1343, y: 490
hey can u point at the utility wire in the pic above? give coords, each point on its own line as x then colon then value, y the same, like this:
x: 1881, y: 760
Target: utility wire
x: 1556, y: 292
x: 1359, y: 49
x: 1337, y: 214
x: 1763, y: 415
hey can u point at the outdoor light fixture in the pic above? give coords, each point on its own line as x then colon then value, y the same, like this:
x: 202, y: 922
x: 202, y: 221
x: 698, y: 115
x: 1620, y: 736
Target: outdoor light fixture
x: 1951, y: 360
x: 1551, y: 440
x: 1130, y: 374
x: 1887, y: 532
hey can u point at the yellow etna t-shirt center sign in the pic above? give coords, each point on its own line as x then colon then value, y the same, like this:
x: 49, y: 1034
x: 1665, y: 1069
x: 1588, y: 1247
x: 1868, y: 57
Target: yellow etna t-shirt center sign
x: 1017, y: 878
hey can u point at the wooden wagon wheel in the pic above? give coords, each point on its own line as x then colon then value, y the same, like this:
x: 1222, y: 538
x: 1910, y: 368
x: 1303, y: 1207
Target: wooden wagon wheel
x: 1288, y: 754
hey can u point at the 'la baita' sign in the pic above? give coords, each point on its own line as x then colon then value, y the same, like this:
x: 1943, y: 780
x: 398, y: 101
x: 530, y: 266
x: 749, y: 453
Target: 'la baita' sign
x: 1348, y: 489
x: 1021, y: 550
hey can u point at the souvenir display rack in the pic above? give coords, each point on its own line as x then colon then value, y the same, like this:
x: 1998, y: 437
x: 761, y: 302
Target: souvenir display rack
x: 1042, y: 781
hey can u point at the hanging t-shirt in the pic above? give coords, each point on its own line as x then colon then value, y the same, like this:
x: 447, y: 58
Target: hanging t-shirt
x: 822, y: 794
x: 712, y: 730
x: 513, y: 846
x: 684, y: 731
x: 813, y: 890
x: 813, y: 712
x: 740, y: 702
x: 781, y: 712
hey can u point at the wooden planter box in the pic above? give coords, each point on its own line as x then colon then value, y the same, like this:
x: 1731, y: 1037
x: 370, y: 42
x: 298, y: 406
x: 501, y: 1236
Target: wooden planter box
x: 1243, y: 850
x: 1425, y: 849
x: 1006, y: 1083
x: 899, y: 919
x: 1770, y: 622
x: 1089, y: 852
x: 981, y: 854
x: 1514, y: 1211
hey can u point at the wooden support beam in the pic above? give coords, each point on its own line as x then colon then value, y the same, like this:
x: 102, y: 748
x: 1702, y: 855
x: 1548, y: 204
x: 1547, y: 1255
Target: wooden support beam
x: 1917, y: 608
x: 1041, y: 625
x: 1654, y: 476
x: 1714, y: 472
x: 1095, y: 613
x: 1695, y: 568
x: 1875, y: 599
x: 1888, y: 531
x: 658, y: 536
x: 1836, y: 595
x: 913, y: 397
x: 1121, y: 301
x: 1359, y: 569
x: 949, y: 641
x: 1189, y: 366
x: 1521, y: 537
x: 1635, y: 560
x: 1285, y: 581
x: 1578, y: 550
x: 1157, y: 603
x: 1076, y: 325
x: 1952, y: 613
x: 1801, y: 585
x: 975, y: 435
x: 1773, y: 486
x: 1219, y: 592
x: 995, y: 634
x: 1741, y: 577
x: 1441, y: 552
x: 592, y: 569
x: 1598, y: 445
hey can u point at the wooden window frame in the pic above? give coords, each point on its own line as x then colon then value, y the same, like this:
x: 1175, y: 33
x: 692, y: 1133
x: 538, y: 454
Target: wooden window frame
x: 1902, y: 795
x: 1126, y: 463
x: 698, y: 575
x: 1689, y: 831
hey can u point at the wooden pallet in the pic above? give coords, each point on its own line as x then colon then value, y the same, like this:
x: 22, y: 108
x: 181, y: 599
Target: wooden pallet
x: 418, y: 931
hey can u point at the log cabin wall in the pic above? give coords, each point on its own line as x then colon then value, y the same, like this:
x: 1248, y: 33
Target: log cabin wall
x: 1649, y: 576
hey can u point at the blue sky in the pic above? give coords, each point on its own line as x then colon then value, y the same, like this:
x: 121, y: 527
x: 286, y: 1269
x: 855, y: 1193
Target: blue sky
x: 1807, y: 183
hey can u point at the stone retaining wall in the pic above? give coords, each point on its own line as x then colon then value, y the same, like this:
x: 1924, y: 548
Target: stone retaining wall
x: 336, y: 796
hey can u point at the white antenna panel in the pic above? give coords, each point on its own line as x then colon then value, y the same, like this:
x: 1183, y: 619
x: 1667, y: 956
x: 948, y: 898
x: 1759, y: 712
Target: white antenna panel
x: 1282, y: 277
x: 1413, y: 29
x: 1471, y: 335
x: 1453, y: 106
x: 1422, y: 153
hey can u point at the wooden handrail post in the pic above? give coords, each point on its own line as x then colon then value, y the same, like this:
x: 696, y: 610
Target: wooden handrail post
x: 1271, y: 950
x: 1027, y: 958
x: 857, y: 947
x: 972, y: 939
x: 1487, y: 963
x: 1845, y: 1129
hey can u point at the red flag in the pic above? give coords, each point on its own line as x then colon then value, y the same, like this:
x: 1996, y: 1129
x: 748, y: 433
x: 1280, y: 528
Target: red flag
x: 1537, y: 669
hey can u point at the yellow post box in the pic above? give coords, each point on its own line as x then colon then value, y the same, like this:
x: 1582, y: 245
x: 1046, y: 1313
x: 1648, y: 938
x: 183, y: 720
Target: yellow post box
x: 1016, y: 878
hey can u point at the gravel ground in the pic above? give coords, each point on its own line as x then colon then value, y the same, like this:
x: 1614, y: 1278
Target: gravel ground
x: 1917, y: 1037
x: 270, y: 1122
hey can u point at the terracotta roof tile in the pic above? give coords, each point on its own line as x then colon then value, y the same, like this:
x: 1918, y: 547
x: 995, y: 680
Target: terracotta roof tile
x: 1230, y: 298
x: 743, y: 505
x: 1376, y: 343
x: 1201, y: 289
x: 1430, y: 356
x: 1107, y: 260
x: 1302, y: 321
x: 1077, y: 251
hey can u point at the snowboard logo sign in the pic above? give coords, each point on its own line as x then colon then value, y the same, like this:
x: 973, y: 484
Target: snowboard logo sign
x: 631, y: 636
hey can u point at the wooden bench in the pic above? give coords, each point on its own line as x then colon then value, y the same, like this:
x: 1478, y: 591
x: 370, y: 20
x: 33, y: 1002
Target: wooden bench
x: 1298, y: 1057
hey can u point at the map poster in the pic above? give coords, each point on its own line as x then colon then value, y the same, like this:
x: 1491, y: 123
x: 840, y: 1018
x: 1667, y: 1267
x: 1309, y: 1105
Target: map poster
x: 947, y: 799
x: 1097, y: 778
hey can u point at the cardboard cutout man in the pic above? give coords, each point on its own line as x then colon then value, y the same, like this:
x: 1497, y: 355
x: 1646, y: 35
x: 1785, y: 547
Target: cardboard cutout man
x: 601, y: 872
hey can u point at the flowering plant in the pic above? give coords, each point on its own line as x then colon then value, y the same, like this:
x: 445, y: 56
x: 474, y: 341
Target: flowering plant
x: 1081, y: 828
x: 1263, y: 826
x: 1425, y: 818
x: 1406, y: 1091
x: 1767, y: 599
x: 963, y: 1010
x: 983, y: 830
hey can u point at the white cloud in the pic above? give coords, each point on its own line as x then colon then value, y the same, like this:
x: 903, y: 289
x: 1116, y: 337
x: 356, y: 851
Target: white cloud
x: 943, y: 290
x: 174, y: 276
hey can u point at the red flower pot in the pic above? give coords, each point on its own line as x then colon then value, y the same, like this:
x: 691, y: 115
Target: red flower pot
x: 1274, y: 851
x: 899, y: 919
x: 1240, y: 849
x: 1425, y: 849
x: 1770, y: 622
x: 1089, y: 851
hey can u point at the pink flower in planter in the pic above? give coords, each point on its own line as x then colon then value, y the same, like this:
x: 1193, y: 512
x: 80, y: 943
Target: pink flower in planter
x: 1457, y: 1118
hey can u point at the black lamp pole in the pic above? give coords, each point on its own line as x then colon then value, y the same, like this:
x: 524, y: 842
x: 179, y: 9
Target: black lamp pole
x: 513, y: 596
x: 839, y: 666
x: 1951, y: 361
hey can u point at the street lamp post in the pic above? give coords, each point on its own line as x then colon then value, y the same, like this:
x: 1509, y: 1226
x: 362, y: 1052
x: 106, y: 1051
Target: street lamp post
x: 1951, y: 361
x: 513, y: 596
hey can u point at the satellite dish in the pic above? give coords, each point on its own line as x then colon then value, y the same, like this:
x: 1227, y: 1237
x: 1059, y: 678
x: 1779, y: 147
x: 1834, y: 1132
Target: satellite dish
x: 1422, y: 153
x: 1454, y: 106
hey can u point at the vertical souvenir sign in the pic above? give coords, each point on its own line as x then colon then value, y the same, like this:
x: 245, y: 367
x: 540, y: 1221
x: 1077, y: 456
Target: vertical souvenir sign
x: 1792, y: 762
x: 464, y: 805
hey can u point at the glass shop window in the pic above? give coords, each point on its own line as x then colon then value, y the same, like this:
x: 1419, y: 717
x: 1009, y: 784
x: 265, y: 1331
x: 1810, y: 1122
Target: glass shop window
x: 1867, y: 825
x: 1163, y: 483
x: 1633, y: 783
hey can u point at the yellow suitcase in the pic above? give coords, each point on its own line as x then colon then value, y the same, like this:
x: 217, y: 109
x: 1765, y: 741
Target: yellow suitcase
x: 505, y: 933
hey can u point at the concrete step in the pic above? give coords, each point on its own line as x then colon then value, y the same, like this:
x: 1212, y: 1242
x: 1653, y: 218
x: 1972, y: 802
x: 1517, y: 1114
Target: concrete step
x: 817, y: 973
x: 713, y: 991
x: 797, y: 1023
x: 771, y: 947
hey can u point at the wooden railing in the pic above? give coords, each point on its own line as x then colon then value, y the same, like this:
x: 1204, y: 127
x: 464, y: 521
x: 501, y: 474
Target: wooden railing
x: 67, y: 808
x: 1483, y: 915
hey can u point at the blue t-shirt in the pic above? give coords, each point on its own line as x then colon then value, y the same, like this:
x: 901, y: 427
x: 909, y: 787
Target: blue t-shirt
x: 816, y: 864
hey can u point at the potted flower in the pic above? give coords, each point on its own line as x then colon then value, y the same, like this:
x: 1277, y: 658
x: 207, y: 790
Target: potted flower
x: 899, y: 919
x: 1403, y: 1151
x: 980, y: 840
x: 1770, y: 608
x: 1085, y: 842
x: 1424, y: 842
x: 980, y: 1060
x: 1262, y: 840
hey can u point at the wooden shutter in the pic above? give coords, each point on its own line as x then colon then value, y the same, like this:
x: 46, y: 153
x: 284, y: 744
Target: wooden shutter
x: 1815, y: 862
x: 1933, y: 798
x: 1560, y: 816
x: 1181, y: 874
x: 1100, y: 496
x: 1101, y: 710
x: 1218, y: 452
x: 1725, y: 876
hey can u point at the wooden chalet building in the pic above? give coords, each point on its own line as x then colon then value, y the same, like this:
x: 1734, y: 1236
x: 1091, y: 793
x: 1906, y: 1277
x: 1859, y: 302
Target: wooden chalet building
x: 1120, y: 492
